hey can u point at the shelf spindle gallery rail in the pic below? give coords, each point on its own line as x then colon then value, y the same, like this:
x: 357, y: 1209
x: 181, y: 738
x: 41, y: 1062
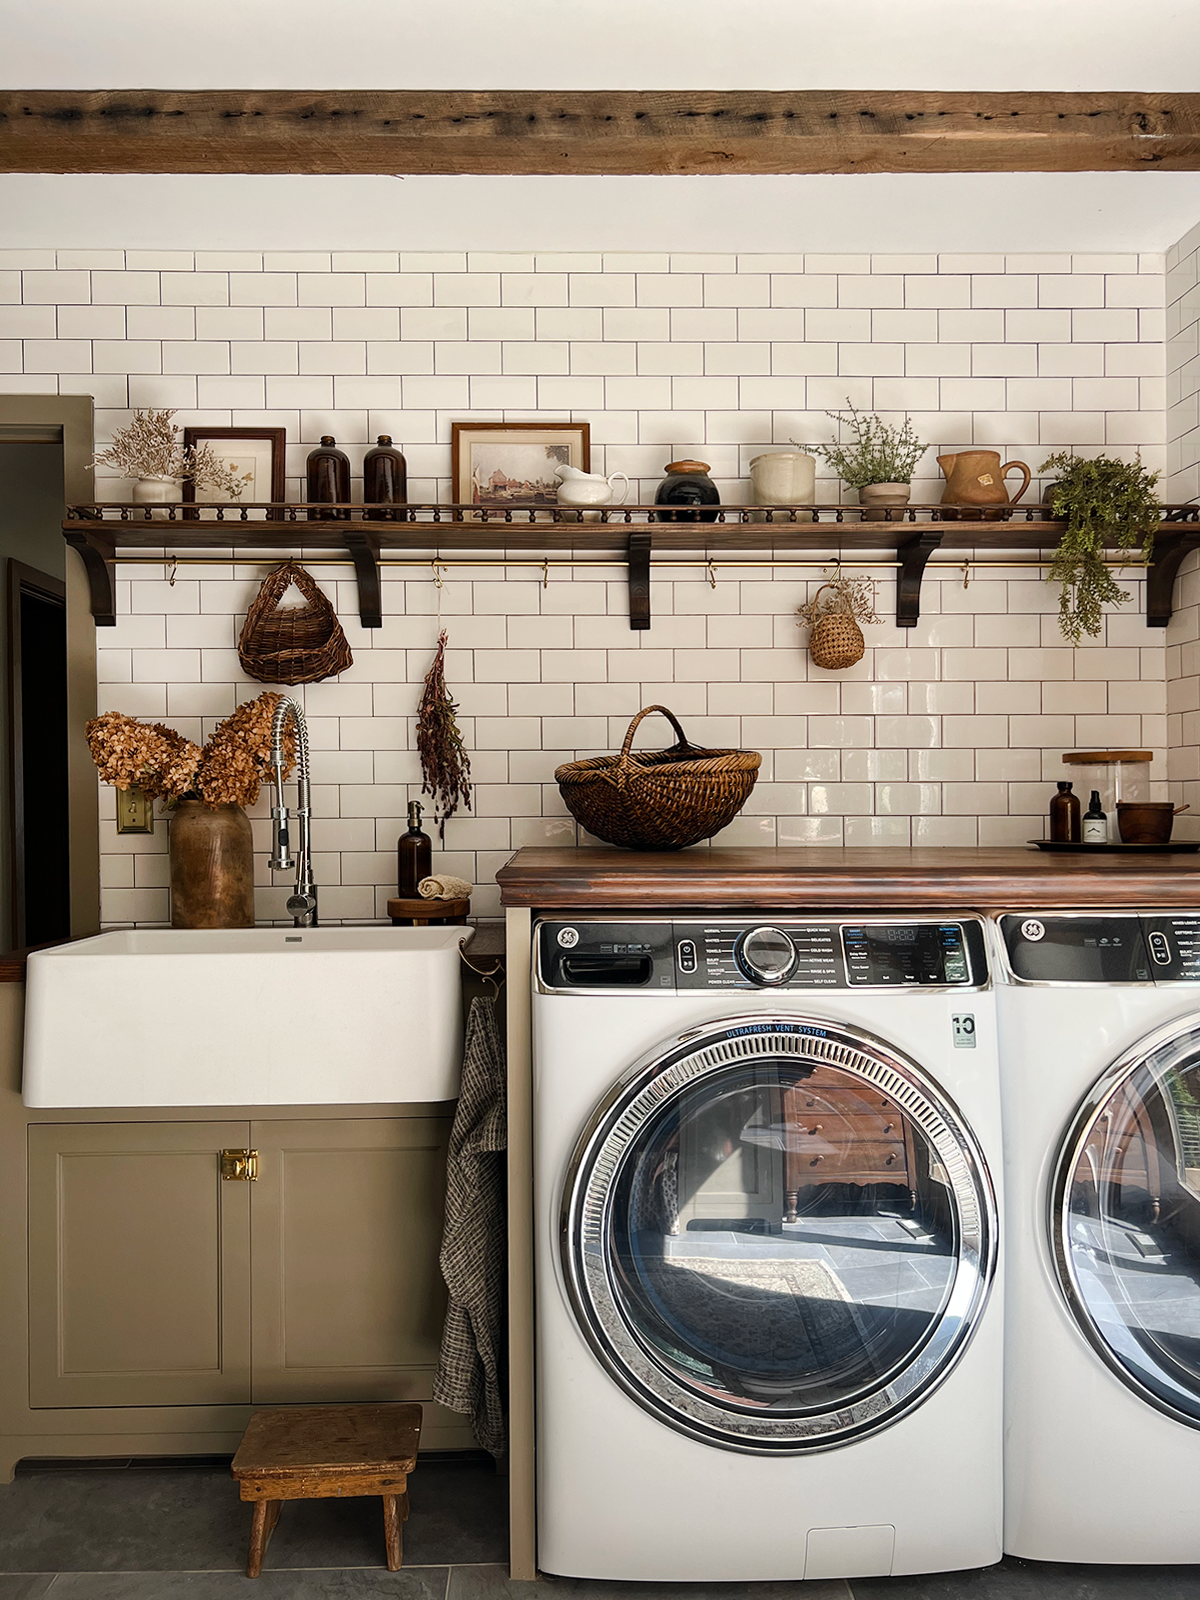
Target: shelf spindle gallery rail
x: 634, y: 534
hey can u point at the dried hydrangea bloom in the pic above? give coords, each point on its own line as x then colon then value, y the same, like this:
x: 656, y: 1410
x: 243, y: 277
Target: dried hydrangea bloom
x: 153, y: 757
x: 237, y: 759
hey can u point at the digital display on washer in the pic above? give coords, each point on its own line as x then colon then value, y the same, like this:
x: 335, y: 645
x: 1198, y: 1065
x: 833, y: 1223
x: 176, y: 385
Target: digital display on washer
x: 905, y: 953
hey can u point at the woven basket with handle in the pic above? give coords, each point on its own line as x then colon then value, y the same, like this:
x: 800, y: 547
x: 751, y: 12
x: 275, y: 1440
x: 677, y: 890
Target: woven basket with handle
x: 300, y: 645
x: 835, y: 640
x: 658, y: 799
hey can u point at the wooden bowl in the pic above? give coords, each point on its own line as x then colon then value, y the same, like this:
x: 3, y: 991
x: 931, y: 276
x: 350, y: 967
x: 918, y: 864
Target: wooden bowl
x: 1145, y: 821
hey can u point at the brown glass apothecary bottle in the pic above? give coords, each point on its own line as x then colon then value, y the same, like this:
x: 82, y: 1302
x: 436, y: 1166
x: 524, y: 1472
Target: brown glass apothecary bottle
x: 328, y: 478
x: 385, y: 476
x: 1066, y: 823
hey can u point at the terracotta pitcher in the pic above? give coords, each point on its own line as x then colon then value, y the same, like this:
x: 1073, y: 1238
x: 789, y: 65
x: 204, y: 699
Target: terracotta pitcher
x: 976, y: 478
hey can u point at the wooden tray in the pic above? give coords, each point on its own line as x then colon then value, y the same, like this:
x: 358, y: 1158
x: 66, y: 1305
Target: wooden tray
x: 1061, y: 846
x: 422, y: 912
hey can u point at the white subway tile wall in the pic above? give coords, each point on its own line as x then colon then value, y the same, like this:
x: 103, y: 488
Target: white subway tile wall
x: 949, y: 733
x: 1183, y: 483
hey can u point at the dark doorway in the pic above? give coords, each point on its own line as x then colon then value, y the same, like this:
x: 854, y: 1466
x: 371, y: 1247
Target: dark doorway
x: 37, y: 639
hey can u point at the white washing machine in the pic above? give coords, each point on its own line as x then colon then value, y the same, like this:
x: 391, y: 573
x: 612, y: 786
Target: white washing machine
x: 768, y: 1317
x: 1099, y: 1018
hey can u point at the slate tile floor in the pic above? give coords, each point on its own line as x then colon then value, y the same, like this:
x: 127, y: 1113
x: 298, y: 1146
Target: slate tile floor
x: 179, y: 1532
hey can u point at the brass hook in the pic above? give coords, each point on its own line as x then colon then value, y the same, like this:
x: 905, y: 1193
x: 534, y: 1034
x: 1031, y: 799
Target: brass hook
x: 966, y: 573
x: 711, y: 573
x: 172, y: 570
x: 546, y: 572
x: 438, y: 570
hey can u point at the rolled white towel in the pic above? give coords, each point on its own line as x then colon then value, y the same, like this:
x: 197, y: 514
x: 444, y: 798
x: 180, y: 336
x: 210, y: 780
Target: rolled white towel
x: 444, y: 888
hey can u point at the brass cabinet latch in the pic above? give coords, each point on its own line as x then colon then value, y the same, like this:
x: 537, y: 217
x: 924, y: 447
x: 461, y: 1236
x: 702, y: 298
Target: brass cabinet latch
x: 239, y: 1166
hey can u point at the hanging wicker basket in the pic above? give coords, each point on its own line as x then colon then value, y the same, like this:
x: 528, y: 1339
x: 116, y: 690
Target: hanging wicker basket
x: 660, y: 799
x: 300, y: 645
x: 835, y: 640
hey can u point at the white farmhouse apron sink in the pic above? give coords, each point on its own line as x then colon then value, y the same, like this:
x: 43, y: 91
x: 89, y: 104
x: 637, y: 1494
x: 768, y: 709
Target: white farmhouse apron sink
x: 246, y: 1017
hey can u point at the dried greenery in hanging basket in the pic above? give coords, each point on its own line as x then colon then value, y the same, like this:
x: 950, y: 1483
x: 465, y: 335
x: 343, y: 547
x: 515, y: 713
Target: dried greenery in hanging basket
x: 445, y: 765
x: 298, y: 644
x: 835, y: 640
x: 1108, y: 504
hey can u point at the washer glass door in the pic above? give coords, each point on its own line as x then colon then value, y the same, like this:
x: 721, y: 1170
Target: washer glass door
x: 779, y: 1235
x: 1125, y: 1219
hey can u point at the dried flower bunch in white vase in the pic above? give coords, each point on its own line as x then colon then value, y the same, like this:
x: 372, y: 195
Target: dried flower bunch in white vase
x: 149, y: 451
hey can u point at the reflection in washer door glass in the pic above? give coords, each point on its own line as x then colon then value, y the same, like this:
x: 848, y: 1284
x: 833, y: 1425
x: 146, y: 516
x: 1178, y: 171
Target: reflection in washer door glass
x: 1130, y: 1228
x: 782, y: 1236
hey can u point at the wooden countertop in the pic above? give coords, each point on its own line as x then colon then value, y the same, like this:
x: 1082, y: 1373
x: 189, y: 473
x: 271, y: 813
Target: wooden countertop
x: 826, y: 878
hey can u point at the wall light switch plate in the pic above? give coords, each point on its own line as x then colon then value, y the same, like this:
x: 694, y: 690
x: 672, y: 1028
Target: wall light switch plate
x: 135, y: 811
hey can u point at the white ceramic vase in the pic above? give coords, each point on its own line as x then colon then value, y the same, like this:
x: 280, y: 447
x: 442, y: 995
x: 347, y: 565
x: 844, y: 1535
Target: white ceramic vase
x: 156, y: 492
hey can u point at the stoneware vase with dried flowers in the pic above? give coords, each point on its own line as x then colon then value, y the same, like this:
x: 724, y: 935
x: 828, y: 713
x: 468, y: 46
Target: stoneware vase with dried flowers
x: 212, y: 866
x: 210, y: 844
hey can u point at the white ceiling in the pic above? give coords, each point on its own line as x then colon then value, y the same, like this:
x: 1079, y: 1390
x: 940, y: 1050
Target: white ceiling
x: 597, y: 44
x: 588, y: 44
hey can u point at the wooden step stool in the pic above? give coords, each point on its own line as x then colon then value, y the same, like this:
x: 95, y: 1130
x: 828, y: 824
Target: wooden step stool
x: 318, y: 1452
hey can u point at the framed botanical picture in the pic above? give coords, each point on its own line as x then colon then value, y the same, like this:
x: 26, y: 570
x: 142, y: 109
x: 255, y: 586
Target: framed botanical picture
x: 253, y: 459
x: 513, y: 463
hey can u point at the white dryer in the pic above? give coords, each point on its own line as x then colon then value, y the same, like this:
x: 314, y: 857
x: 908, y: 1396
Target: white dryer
x: 1099, y: 1018
x: 768, y: 1319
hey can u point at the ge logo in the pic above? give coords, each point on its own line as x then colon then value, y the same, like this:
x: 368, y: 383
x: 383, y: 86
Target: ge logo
x: 568, y: 938
x: 1033, y: 930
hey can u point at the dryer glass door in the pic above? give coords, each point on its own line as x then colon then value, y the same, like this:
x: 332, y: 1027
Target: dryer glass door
x: 779, y: 1235
x: 1125, y: 1219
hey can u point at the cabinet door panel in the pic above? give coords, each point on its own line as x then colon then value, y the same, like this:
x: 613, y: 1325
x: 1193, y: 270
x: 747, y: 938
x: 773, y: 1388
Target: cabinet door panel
x: 347, y: 1294
x: 138, y: 1265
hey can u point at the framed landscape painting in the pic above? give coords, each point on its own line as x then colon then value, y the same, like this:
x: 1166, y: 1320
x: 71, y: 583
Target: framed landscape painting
x: 499, y: 464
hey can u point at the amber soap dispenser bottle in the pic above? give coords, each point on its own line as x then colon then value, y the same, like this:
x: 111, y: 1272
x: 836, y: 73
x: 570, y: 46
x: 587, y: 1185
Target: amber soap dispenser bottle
x: 414, y: 854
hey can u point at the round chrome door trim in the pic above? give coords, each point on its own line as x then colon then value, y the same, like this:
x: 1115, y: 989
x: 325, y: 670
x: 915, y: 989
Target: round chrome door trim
x: 665, y: 1074
x: 1184, y: 1034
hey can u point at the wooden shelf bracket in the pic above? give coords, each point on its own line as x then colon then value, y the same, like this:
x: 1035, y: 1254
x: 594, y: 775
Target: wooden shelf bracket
x: 1169, y: 551
x: 364, y: 552
x: 914, y: 553
x: 97, y: 554
x: 639, y: 580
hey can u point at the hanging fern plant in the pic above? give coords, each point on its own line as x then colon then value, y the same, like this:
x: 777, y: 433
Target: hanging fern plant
x: 1107, y: 504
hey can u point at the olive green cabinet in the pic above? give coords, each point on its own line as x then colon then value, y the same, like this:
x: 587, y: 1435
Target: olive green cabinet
x: 155, y: 1280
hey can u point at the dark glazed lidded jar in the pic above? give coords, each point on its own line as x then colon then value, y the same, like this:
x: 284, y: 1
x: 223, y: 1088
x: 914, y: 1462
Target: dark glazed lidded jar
x: 385, y: 475
x: 687, y: 483
x: 328, y: 476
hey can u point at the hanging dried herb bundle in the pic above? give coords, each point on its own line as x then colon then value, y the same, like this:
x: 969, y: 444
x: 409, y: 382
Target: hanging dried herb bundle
x: 445, y: 765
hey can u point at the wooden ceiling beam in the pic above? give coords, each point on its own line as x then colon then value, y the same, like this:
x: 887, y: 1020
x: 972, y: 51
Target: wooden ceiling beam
x: 599, y: 132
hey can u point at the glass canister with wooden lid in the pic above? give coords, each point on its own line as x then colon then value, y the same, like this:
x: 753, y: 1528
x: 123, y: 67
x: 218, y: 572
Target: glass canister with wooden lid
x: 1117, y: 775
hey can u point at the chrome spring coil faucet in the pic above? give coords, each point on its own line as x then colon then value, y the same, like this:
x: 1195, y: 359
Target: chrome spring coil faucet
x: 302, y: 902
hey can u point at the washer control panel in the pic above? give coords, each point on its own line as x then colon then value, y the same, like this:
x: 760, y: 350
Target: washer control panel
x: 1090, y: 947
x: 761, y: 954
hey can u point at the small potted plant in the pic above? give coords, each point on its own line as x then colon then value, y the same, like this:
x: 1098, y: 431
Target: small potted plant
x: 878, y: 460
x: 150, y: 452
x: 1108, y: 505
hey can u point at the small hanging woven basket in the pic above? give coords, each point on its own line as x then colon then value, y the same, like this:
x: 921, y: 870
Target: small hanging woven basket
x: 835, y: 640
x: 302, y: 644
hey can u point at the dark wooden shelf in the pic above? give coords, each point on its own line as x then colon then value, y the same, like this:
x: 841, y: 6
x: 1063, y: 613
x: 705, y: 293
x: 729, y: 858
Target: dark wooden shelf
x: 912, y: 535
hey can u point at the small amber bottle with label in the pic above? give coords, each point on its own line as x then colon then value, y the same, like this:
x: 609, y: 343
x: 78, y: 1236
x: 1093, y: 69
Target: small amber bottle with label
x: 1095, y: 822
x: 1065, y: 817
x: 414, y: 854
